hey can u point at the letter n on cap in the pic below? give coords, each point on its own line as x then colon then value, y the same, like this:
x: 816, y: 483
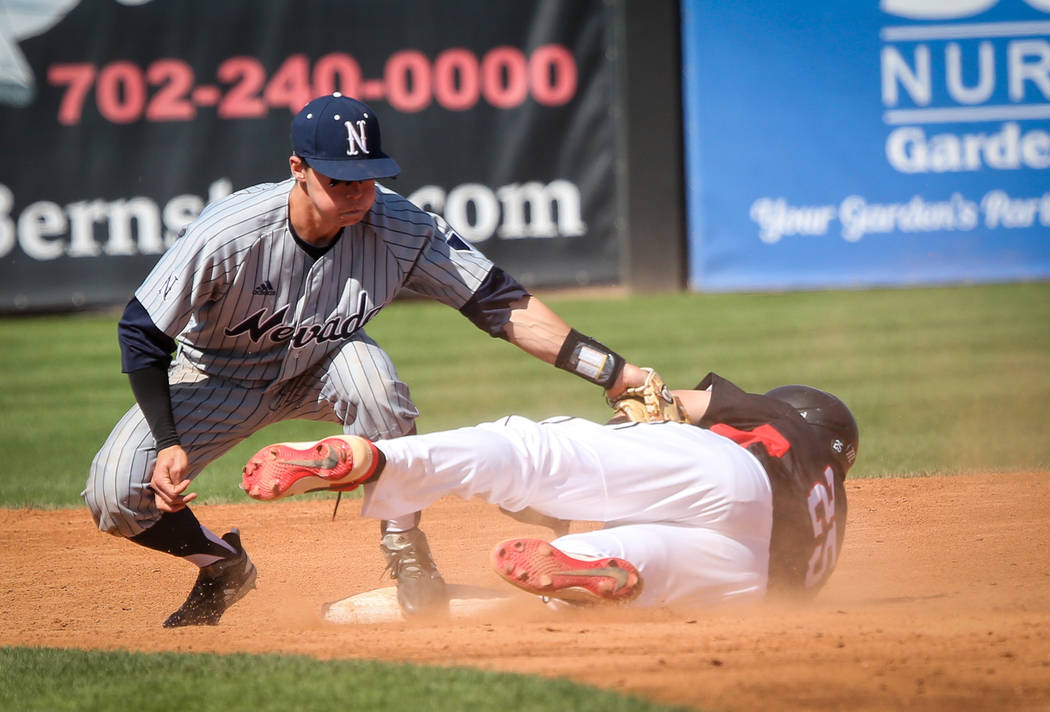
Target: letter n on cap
x: 356, y: 139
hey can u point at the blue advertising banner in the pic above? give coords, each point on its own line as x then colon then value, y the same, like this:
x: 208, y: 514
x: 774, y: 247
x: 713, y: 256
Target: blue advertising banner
x: 835, y: 144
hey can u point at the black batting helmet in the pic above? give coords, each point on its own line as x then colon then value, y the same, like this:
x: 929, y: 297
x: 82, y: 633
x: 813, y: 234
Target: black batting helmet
x: 823, y: 410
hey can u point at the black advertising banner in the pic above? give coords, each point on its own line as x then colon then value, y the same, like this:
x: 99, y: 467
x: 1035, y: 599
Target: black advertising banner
x: 120, y: 120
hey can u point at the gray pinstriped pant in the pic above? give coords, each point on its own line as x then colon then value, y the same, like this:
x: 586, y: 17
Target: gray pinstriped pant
x: 356, y: 386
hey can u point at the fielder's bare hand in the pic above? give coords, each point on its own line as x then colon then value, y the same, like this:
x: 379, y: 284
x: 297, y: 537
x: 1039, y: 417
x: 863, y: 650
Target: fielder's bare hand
x: 630, y: 377
x: 167, y: 482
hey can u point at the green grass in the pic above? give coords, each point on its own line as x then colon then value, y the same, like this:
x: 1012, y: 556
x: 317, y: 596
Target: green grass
x: 945, y: 380
x: 52, y: 680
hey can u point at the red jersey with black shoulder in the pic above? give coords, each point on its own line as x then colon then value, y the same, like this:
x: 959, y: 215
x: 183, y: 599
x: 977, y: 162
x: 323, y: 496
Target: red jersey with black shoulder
x: 809, y: 499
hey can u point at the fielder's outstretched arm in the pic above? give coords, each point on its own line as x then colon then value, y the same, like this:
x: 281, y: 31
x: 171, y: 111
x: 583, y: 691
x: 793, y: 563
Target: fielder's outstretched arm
x: 534, y: 328
x: 503, y: 308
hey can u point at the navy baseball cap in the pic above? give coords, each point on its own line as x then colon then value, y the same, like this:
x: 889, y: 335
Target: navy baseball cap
x: 339, y: 137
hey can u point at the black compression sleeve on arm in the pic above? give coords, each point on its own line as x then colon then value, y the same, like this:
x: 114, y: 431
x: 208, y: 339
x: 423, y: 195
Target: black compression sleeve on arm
x: 589, y: 359
x: 145, y: 354
x: 150, y: 386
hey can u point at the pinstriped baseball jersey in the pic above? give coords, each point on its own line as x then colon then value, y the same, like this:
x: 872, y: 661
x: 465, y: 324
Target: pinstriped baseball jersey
x: 245, y: 301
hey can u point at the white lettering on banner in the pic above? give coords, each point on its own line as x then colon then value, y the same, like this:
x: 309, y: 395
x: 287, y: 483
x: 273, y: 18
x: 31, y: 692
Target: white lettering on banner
x: 486, y: 211
x: 47, y: 231
x: 963, y: 71
x: 1021, y: 70
x: 1027, y: 67
x: 897, y: 72
x: 1000, y: 210
x: 910, y: 150
x: 947, y: 9
x: 41, y: 220
x: 927, y: 9
x: 8, y: 235
x: 857, y: 218
x: 860, y: 218
x: 776, y: 219
x: 982, y: 91
x: 529, y: 209
x: 137, y: 226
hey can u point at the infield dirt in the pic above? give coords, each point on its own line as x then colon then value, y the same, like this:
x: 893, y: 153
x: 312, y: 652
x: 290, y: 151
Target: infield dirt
x: 941, y: 601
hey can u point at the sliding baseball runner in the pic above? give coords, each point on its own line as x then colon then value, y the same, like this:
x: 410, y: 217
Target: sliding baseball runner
x: 714, y: 496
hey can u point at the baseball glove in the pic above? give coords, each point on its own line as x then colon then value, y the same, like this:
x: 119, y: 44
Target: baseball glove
x: 648, y: 403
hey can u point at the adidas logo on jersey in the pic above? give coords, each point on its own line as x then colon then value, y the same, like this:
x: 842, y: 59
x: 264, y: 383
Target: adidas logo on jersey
x: 265, y: 289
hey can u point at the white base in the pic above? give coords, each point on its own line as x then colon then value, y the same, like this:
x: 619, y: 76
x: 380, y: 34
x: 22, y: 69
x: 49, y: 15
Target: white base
x: 380, y: 605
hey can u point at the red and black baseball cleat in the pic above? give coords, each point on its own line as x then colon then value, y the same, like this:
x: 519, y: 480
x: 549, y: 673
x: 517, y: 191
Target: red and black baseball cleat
x: 338, y: 464
x: 536, y: 566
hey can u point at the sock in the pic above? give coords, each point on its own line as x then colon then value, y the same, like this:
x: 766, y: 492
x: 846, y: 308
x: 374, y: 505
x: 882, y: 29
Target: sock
x: 180, y: 534
x: 400, y: 524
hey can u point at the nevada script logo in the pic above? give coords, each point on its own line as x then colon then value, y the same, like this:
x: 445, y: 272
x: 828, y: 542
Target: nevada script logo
x: 259, y: 326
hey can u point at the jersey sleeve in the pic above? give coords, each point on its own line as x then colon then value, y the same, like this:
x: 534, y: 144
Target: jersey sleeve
x: 489, y: 308
x: 732, y: 405
x: 448, y: 269
x: 142, y: 344
x: 192, y: 272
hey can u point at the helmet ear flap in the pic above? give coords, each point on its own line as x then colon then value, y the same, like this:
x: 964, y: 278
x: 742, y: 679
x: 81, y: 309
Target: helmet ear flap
x: 846, y: 451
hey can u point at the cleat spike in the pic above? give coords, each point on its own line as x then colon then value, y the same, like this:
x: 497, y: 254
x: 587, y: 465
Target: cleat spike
x: 338, y: 463
x: 542, y: 569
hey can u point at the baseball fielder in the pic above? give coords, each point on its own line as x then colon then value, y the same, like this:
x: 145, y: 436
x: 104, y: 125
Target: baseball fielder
x: 749, y: 502
x: 264, y: 299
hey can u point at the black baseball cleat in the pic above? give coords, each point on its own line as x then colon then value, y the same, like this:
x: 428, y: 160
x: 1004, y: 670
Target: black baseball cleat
x: 218, y: 587
x: 420, y: 588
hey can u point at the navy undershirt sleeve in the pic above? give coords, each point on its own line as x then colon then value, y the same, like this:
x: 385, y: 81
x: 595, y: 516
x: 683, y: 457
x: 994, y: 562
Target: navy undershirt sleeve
x: 145, y: 354
x: 141, y: 342
x: 489, y: 308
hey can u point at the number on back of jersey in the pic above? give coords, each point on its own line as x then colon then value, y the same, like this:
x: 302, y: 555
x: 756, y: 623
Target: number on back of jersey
x: 821, y: 502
